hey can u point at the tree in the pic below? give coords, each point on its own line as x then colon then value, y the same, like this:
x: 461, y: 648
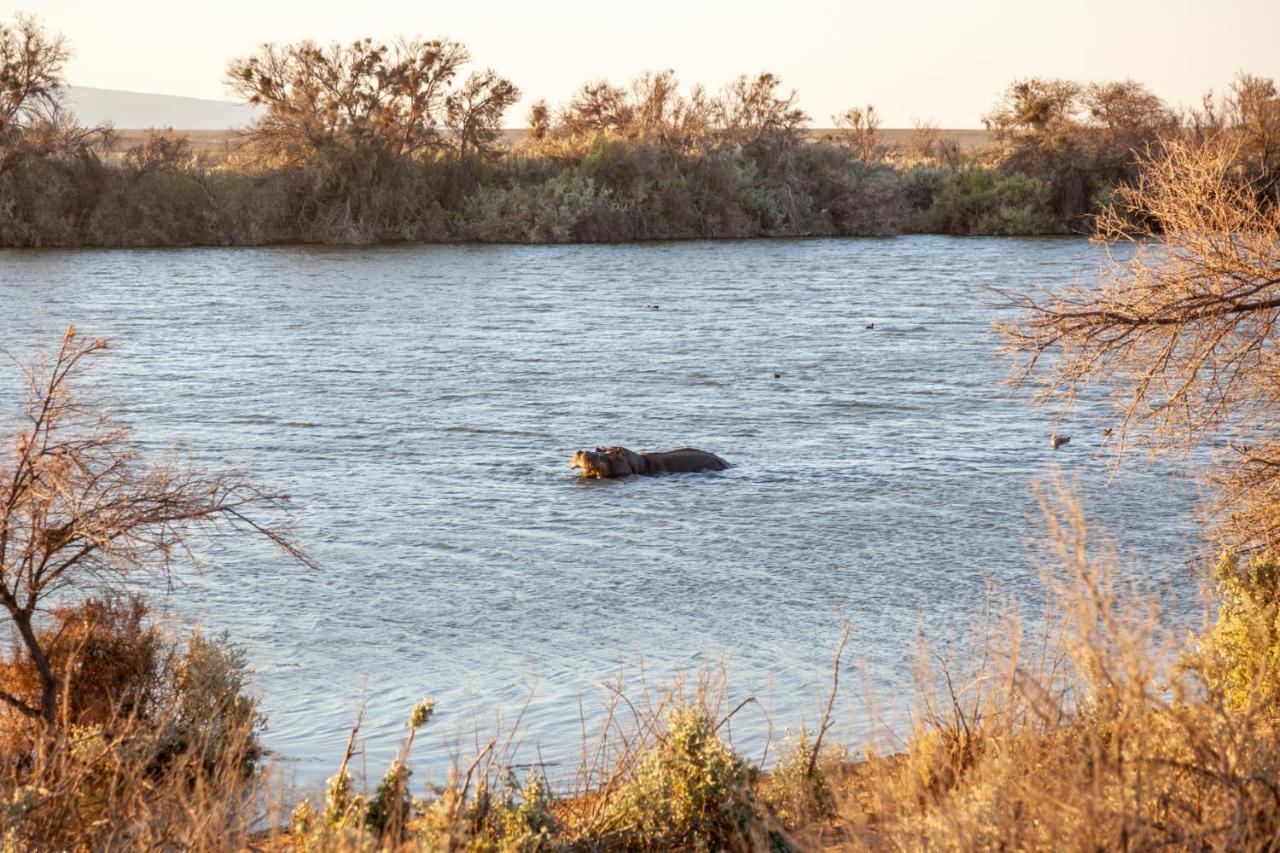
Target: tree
x: 861, y: 126
x: 33, y: 118
x: 1035, y: 107
x: 1080, y: 139
x: 598, y: 107
x: 474, y: 112
x: 80, y: 512
x: 1037, y: 121
x: 1125, y: 109
x: 539, y: 120
x: 754, y: 111
x: 1254, y: 113
x: 31, y: 64
x: 1183, y: 331
x: 659, y: 113
x: 391, y: 99
x: 651, y: 110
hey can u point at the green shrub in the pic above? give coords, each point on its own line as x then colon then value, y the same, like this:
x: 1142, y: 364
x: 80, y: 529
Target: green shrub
x: 539, y: 213
x: 794, y: 794
x: 1243, y: 649
x: 691, y: 791
x: 921, y: 186
x: 982, y: 201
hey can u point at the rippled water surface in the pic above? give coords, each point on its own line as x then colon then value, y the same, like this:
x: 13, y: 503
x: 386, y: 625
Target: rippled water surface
x: 421, y: 405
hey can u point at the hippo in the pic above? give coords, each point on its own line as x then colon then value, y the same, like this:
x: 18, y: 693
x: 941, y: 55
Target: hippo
x: 621, y: 462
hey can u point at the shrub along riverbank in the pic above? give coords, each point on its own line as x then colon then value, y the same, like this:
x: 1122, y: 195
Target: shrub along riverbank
x: 368, y: 142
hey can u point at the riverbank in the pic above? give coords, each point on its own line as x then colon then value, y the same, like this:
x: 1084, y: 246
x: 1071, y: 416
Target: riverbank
x: 162, y: 193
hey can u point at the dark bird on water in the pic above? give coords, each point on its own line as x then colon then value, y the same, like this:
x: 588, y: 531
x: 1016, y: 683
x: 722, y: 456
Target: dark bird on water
x: 869, y: 326
x: 1057, y: 441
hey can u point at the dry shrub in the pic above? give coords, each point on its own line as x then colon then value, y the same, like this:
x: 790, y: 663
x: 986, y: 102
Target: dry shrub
x: 106, y: 656
x: 1181, y: 331
x: 156, y: 744
x: 1107, y: 734
x: 124, y: 786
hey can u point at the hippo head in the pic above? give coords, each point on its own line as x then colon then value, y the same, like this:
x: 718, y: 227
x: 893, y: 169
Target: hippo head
x: 606, y: 462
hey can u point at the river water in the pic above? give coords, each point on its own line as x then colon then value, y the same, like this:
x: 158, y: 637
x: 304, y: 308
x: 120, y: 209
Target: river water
x: 421, y: 404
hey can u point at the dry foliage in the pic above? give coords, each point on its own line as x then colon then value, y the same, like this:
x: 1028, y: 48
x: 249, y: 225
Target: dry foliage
x: 134, y: 782
x: 1182, y: 331
x: 157, y: 743
x: 80, y: 511
x: 1107, y: 732
x: 860, y: 127
x: 653, y: 110
x: 393, y: 98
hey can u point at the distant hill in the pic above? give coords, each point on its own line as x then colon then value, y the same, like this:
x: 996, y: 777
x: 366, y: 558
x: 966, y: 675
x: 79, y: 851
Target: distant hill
x: 139, y: 110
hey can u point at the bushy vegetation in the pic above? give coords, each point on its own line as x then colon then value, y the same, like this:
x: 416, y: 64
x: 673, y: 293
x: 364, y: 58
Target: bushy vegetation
x: 371, y: 142
x: 157, y: 743
x: 984, y: 201
x: 114, y: 732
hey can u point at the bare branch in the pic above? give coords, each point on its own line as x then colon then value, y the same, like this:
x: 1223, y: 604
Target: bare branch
x: 79, y: 509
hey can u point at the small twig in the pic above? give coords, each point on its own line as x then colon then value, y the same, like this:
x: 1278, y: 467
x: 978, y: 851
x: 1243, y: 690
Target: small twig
x: 744, y: 703
x: 831, y: 701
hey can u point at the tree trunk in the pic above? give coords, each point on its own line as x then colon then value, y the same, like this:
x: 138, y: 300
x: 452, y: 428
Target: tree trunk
x: 48, y: 680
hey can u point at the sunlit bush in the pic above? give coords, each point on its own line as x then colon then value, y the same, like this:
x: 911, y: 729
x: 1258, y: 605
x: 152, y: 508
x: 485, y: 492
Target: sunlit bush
x: 1242, y: 654
x: 801, y: 788
x: 158, y: 738
x: 691, y: 791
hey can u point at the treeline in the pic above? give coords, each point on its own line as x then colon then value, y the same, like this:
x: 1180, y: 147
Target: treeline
x: 369, y: 142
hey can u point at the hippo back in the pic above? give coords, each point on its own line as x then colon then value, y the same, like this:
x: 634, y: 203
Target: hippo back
x: 681, y: 460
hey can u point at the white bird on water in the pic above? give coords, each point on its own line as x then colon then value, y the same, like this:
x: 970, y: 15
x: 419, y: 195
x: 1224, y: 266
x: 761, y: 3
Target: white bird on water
x: 1056, y: 441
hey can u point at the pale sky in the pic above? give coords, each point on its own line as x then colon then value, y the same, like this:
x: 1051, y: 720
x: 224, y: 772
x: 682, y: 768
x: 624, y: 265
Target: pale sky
x: 922, y: 59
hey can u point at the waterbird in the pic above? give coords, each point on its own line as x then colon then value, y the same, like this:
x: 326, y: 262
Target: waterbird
x: 869, y: 326
x: 1057, y: 441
